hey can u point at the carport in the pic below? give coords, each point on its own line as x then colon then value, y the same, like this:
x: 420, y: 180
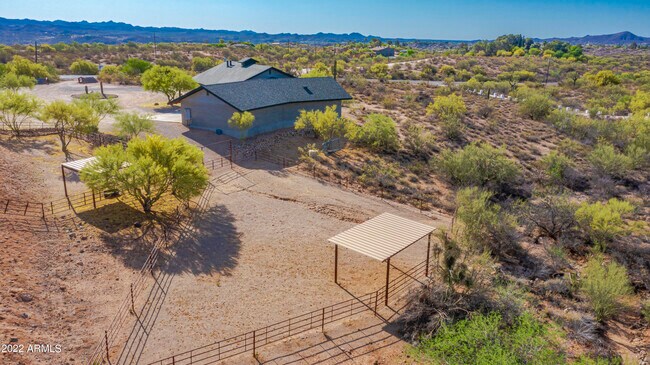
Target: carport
x: 381, y: 238
x: 75, y: 166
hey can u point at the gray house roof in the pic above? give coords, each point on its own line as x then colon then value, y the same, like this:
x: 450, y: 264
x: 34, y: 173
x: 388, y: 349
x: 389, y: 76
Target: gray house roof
x: 258, y: 94
x: 232, y: 71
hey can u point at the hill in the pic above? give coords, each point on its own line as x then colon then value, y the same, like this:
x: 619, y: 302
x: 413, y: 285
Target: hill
x: 621, y: 38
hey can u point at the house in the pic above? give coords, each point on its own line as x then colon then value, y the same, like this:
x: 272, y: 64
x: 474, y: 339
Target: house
x: 384, y: 51
x: 235, y: 71
x: 275, y: 102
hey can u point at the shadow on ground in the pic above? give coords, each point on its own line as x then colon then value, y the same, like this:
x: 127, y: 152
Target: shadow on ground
x: 213, y: 247
x: 19, y: 144
x: 112, y: 218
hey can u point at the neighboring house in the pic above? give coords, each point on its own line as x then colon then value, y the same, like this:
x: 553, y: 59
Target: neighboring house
x: 275, y: 102
x: 384, y: 51
x: 235, y: 71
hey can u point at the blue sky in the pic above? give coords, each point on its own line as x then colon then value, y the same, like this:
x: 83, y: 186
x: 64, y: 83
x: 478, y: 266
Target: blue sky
x: 450, y: 19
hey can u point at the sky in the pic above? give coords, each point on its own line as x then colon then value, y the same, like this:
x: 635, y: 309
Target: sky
x: 433, y: 19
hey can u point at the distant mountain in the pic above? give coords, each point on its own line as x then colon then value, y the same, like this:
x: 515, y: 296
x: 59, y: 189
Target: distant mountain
x: 23, y: 31
x: 621, y: 38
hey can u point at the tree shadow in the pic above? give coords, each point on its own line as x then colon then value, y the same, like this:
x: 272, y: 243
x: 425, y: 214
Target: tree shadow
x: 213, y: 247
x: 112, y: 218
x: 27, y: 144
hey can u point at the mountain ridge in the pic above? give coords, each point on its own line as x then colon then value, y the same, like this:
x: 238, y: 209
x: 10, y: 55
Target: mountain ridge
x: 24, y: 31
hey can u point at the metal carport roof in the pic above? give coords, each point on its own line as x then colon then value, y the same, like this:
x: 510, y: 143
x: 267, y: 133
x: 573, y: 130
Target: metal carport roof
x: 383, y: 236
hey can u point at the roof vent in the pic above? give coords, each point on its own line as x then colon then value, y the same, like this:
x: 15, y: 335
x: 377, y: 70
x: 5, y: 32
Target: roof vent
x: 307, y: 90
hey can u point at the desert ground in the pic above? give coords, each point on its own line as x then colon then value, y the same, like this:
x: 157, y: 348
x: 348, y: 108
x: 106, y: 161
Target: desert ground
x: 258, y: 254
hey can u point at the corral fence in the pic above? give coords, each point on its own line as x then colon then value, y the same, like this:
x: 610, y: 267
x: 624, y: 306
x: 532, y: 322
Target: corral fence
x: 101, y: 352
x: 251, y: 341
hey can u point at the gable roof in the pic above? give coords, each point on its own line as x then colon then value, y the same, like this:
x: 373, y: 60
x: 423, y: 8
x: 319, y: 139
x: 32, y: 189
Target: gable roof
x: 263, y: 93
x: 233, y: 71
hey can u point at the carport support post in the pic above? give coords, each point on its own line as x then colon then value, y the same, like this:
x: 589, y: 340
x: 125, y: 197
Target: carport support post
x: 426, y: 271
x: 387, y: 280
x: 65, y: 187
x: 336, y: 264
x: 230, y: 147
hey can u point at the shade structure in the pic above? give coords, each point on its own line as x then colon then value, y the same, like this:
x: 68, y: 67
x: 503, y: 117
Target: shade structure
x: 78, y: 165
x: 383, y: 236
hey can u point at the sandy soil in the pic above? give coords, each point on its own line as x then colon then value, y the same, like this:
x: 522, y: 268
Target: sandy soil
x: 57, y: 289
x: 262, y: 256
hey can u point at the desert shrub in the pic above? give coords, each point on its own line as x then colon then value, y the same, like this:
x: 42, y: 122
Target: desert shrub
x: 16, y: 108
x: 535, y: 106
x: 606, y: 161
x: 645, y: 310
x: 603, y: 78
x: 449, y: 110
x: 486, y: 339
x: 485, y: 226
x: 605, y: 284
x: 640, y: 102
x: 135, y: 66
x: 131, y: 125
x: 326, y: 124
x: 418, y: 140
x: 477, y: 164
x: 603, y: 222
x: 586, y: 360
x: 379, y: 173
x: 112, y: 74
x: 557, y: 166
x: 378, y: 133
x: 551, y: 215
x: 200, y: 64
x: 84, y: 67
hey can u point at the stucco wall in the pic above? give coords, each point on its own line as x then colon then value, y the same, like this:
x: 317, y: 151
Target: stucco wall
x: 210, y: 113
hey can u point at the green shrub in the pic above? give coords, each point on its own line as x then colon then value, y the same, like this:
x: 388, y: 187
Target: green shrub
x: 535, y: 106
x: 485, y: 226
x: 378, y: 133
x: 449, y: 110
x: 379, y: 174
x: 477, y: 164
x: 486, y: 340
x: 607, y: 161
x: 645, y: 310
x: 602, y: 222
x: 605, y: 285
x: 84, y: 67
x: 556, y: 165
x: 418, y: 140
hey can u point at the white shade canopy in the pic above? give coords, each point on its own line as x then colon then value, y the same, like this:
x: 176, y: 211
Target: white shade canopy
x: 78, y: 165
x: 383, y: 236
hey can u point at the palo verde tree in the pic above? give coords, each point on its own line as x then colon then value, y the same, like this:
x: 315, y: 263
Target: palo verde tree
x: 84, y: 67
x: 69, y: 120
x: 16, y: 108
x: 148, y: 169
x: 449, y: 110
x: 100, y: 105
x: 325, y: 124
x: 168, y: 80
x: 242, y: 121
x: 131, y: 125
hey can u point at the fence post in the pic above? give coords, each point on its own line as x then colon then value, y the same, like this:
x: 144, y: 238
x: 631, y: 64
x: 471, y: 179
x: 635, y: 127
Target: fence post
x: 84, y: 198
x: 376, y: 300
x: 52, y: 207
x: 108, y: 358
x: 254, y: 350
x: 26, y: 207
x: 132, y: 301
x: 43, y: 210
x: 322, y: 322
x: 213, y: 164
x: 94, y: 201
x: 6, y: 206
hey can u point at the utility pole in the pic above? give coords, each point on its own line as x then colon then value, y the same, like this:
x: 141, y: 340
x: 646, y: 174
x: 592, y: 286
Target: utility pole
x: 35, y: 52
x: 154, y: 47
x: 335, y: 61
x: 548, y: 69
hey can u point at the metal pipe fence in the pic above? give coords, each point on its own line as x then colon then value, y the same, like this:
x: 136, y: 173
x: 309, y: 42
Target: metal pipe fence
x: 250, y: 341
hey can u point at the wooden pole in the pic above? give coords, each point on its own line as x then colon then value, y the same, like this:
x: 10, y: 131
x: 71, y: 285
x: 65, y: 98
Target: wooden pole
x: 107, y: 354
x: 65, y: 187
x: 336, y: 264
x: 230, y: 154
x: 426, y: 271
x: 387, y: 280
x: 94, y: 201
